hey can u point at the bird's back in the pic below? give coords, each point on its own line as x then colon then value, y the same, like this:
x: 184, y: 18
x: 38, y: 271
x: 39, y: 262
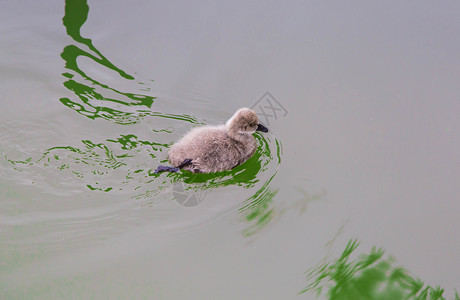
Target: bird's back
x: 211, y: 150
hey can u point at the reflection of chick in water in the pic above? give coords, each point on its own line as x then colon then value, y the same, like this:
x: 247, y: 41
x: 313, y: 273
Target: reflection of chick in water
x: 216, y: 148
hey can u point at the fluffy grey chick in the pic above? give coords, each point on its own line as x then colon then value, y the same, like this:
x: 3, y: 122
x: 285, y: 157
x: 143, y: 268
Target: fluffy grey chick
x: 210, y: 149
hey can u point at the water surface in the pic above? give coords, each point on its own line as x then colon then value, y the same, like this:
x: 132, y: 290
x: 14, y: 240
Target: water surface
x: 363, y: 109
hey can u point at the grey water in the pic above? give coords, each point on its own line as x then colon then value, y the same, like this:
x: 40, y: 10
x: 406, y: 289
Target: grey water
x: 362, y: 101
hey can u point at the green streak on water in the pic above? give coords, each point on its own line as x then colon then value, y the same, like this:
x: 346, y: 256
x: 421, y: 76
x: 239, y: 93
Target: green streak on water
x: 99, y: 189
x: 76, y: 14
x: 130, y: 141
x: 259, y: 210
x: 91, y: 102
x: 370, y: 276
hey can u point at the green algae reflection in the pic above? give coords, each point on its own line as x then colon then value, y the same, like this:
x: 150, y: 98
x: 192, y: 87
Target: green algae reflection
x: 371, y: 276
x: 94, y: 98
x: 119, y: 164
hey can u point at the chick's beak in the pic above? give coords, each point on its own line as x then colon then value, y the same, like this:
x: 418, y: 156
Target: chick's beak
x: 262, y: 128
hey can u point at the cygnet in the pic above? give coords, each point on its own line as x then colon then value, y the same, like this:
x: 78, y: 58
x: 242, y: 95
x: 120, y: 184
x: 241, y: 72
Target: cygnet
x: 210, y: 149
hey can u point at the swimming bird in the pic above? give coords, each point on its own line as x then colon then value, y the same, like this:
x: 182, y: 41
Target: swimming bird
x: 215, y: 148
